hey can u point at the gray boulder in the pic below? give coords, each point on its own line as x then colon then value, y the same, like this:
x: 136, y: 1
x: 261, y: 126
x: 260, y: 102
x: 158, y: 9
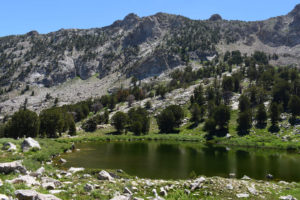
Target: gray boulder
x: 120, y: 197
x: 288, y: 197
x: 46, y: 181
x: 15, y: 166
x: 137, y: 198
x: 40, y: 170
x: 33, y: 195
x: 229, y: 187
x: 27, y: 180
x: 25, y: 194
x: 245, y: 177
x: 74, y: 169
x: 48, y: 186
x: 187, y: 192
x: 163, y: 192
x: 38, y: 173
x: 4, y: 197
x: 46, y: 197
x: 196, y: 183
x: 30, y: 143
x: 269, y: 176
x: 88, y: 187
x: 232, y: 175
x: 8, y: 146
x: 242, y: 195
x: 252, y: 190
x: 104, y: 175
x: 62, y: 161
x: 127, y: 191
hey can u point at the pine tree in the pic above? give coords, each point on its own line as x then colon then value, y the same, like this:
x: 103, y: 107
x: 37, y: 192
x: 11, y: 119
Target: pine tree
x: 244, y: 122
x: 120, y: 121
x: 196, y: 113
x: 274, y: 112
x: 294, y: 107
x: 244, y: 103
x: 199, y: 95
x: 222, y: 116
x: 261, y: 116
x: 72, y: 128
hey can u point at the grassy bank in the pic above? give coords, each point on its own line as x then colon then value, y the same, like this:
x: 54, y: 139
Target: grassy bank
x: 33, y: 159
x: 267, y: 141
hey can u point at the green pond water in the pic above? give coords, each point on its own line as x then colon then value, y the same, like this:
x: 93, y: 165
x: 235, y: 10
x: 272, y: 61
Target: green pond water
x: 176, y: 160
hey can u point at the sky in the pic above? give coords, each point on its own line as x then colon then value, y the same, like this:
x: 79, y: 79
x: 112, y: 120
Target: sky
x: 22, y: 16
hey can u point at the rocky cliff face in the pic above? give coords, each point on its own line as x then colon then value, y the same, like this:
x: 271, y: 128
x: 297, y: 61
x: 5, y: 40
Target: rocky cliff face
x: 141, y: 47
x: 133, y: 46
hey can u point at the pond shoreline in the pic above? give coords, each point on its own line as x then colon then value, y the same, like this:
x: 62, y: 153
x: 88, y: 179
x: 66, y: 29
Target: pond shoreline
x: 76, y: 185
x: 230, y: 142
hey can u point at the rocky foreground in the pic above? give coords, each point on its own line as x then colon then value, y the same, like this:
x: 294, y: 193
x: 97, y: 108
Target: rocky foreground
x: 53, y: 183
x: 77, y: 183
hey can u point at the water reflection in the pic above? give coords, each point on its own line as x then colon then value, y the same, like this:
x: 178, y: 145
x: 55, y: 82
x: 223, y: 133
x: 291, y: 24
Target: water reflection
x: 178, y: 160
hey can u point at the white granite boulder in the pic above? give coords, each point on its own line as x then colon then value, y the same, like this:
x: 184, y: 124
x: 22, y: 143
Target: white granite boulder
x: 104, y: 175
x: 29, y: 144
x: 33, y: 195
x: 4, y: 197
x: 8, y: 146
x: 27, y: 180
x: 15, y: 166
x: 74, y: 169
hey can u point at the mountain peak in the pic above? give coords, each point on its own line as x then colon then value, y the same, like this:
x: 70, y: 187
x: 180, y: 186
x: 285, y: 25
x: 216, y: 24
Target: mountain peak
x: 32, y: 33
x: 215, y: 17
x: 131, y: 17
x: 295, y: 11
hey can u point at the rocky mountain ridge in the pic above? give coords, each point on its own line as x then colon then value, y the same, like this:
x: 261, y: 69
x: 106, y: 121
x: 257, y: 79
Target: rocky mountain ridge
x: 142, y: 47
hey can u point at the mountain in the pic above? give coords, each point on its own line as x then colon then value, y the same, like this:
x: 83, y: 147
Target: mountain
x: 141, y: 47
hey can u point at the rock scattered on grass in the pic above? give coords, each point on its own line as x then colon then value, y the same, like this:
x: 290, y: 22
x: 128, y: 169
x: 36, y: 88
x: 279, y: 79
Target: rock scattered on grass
x: 4, y: 197
x: 10, y: 147
x: 15, y: 166
x: 29, y: 144
x: 242, y: 195
x: 288, y: 197
x: 245, y: 177
x: 196, y: 184
x: 38, y: 173
x: 32, y: 194
x: 74, y: 169
x: 252, y: 190
x: 163, y: 192
x: 121, y: 197
x: 104, y: 175
x: 229, y: 187
x: 88, y: 187
x: 127, y: 191
x: 26, y: 179
x: 62, y: 161
x: 269, y: 176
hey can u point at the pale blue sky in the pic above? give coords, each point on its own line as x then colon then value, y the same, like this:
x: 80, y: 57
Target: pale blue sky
x: 21, y: 16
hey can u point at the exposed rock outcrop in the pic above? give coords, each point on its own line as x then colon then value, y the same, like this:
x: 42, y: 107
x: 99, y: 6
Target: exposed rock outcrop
x: 135, y: 46
x: 215, y: 17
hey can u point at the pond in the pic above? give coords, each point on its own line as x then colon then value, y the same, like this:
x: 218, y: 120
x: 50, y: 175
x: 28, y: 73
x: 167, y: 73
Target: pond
x: 176, y: 160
